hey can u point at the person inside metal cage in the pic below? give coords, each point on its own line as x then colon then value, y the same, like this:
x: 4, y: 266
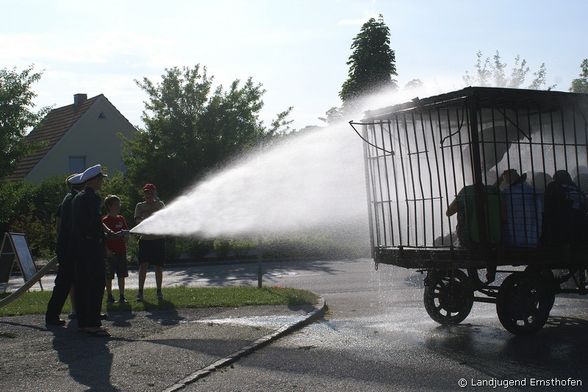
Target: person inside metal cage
x: 581, y: 178
x: 564, y: 217
x: 468, y: 223
x: 523, y: 210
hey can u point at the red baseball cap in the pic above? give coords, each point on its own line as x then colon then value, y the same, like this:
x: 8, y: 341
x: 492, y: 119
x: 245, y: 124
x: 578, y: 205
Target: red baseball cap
x: 149, y: 187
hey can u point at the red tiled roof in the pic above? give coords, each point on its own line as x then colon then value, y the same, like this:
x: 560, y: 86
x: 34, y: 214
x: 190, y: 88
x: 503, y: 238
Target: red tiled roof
x: 49, y: 131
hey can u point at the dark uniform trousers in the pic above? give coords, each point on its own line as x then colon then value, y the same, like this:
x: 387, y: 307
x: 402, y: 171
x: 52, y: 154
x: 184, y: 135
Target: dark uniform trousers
x: 66, y: 268
x: 63, y: 282
x: 89, y: 252
x: 89, y: 284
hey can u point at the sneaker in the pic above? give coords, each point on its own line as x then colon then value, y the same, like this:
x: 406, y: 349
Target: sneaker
x: 110, y: 299
x: 159, y: 296
x: 122, y: 300
x: 140, y: 297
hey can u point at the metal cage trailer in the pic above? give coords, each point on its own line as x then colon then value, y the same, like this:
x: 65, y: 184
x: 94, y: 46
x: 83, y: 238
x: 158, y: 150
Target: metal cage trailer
x: 464, y: 186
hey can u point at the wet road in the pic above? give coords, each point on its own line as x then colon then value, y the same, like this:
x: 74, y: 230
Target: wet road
x: 378, y: 337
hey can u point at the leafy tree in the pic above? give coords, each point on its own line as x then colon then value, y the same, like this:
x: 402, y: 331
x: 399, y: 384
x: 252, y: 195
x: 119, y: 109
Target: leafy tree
x: 372, y: 63
x: 31, y: 209
x: 333, y: 115
x: 13, y: 200
x: 580, y: 85
x: 16, y: 114
x: 191, y: 128
x: 493, y: 73
x: 414, y: 83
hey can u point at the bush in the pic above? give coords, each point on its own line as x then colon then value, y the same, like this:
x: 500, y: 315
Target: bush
x: 234, y: 247
x: 326, y: 244
x: 31, y: 209
x: 13, y: 201
x: 188, y: 248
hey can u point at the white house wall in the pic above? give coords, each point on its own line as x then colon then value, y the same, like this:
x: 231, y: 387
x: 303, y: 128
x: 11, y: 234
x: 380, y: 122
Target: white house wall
x: 95, y: 138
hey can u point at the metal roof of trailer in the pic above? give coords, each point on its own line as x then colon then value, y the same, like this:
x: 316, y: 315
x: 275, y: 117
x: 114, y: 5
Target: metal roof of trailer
x: 488, y: 97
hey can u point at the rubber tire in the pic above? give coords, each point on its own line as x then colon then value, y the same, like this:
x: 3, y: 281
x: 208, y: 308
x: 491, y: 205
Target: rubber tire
x: 523, y: 303
x: 548, y: 281
x: 450, y: 292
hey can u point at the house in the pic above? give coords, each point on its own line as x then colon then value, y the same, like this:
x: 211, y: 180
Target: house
x: 71, y: 138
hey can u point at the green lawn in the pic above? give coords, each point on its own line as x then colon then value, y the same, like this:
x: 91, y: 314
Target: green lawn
x: 35, y: 302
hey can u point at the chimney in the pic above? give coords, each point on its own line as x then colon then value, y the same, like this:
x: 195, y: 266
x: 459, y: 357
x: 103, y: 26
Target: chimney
x: 78, y: 100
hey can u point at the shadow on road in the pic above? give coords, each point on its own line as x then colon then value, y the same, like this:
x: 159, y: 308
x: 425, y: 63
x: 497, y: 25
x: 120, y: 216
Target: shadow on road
x: 213, y: 347
x: 318, y: 368
x: 498, y: 353
x: 37, y: 327
x: 169, y: 316
x: 217, y: 275
x: 122, y: 316
x: 88, y: 358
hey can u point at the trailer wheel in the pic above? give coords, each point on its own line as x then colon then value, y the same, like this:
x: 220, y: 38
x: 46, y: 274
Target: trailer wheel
x: 448, y: 296
x: 548, y: 283
x: 523, y: 303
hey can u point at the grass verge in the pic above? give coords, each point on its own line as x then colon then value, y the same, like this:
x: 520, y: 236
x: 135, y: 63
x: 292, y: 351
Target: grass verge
x: 35, y: 302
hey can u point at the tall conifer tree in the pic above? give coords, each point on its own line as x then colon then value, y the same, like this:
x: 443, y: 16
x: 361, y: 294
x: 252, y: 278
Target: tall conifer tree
x: 372, y: 63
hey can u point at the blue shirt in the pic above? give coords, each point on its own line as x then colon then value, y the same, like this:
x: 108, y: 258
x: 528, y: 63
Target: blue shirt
x: 524, y: 211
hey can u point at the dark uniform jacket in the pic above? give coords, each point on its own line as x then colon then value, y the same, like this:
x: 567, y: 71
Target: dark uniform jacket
x: 87, y: 231
x: 64, y: 248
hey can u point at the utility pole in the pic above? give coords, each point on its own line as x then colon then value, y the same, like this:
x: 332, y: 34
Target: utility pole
x: 259, y: 261
x: 259, y: 238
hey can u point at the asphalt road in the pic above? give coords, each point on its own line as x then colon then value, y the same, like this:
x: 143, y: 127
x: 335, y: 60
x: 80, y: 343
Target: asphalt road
x: 378, y: 337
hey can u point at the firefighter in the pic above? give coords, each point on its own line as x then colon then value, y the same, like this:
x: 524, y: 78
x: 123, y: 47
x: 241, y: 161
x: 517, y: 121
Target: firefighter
x: 89, y: 252
x: 65, y: 270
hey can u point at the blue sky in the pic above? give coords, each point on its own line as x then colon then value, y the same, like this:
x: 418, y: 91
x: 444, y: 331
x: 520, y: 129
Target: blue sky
x: 296, y: 49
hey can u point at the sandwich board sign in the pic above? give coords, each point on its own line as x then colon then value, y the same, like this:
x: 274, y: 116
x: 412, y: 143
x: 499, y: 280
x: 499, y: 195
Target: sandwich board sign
x: 15, y: 248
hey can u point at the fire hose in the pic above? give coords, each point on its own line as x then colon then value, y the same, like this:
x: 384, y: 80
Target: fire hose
x: 34, y: 279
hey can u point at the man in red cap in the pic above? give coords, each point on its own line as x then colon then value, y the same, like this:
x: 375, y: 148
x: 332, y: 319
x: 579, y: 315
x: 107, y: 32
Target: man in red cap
x: 151, y: 247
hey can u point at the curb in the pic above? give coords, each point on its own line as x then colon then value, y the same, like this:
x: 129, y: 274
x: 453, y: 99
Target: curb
x: 319, y: 310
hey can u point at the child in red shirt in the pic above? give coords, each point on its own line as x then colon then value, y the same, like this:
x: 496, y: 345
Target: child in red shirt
x: 116, y: 248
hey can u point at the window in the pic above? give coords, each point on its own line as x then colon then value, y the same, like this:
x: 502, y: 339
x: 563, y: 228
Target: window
x: 77, y: 164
